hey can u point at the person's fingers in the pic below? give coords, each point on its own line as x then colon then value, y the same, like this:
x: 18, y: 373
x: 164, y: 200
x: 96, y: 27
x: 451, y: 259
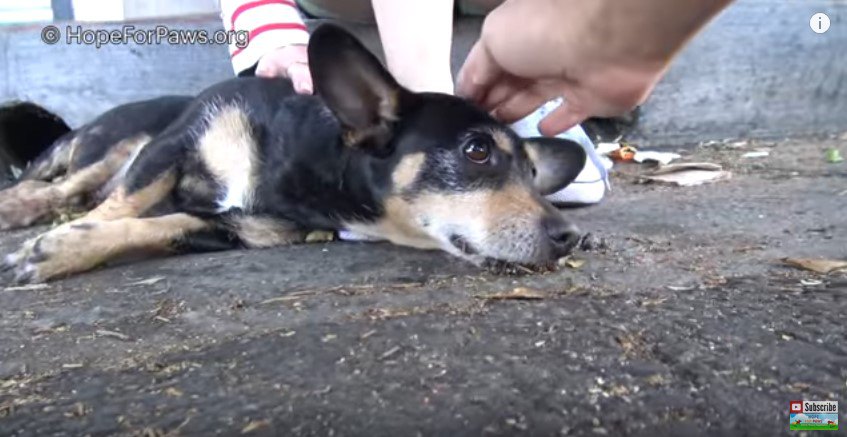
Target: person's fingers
x: 270, y: 66
x: 277, y: 62
x: 502, y: 91
x: 561, y: 119
x: 477, y: 75
x: 519, y: 105
x: 300, y: 77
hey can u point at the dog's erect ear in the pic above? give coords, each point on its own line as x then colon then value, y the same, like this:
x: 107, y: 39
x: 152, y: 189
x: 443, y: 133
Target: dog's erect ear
x: 557, y: 162
x: 356, y: 87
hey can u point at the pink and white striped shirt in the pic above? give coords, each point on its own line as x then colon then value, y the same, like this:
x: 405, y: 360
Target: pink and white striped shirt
x: 271, y: 24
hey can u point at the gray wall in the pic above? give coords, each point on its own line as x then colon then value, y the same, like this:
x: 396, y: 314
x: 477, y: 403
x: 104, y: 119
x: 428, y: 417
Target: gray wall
x: 758, y: 71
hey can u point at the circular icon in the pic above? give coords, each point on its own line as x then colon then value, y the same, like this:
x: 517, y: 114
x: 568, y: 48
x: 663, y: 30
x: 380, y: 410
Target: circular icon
x: 819, y: 22
x: 50, y: 35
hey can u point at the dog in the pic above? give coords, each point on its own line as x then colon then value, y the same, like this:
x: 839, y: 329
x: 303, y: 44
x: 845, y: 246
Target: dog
x: 248, y: 163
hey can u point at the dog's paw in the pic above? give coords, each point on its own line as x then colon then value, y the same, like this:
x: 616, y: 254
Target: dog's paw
x: 25, y: 204
x: 59, y: 252
x: 23, y: 262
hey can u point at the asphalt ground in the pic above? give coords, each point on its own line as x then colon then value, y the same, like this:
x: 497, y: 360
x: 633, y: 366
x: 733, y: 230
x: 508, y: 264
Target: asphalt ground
x: 677, y: 319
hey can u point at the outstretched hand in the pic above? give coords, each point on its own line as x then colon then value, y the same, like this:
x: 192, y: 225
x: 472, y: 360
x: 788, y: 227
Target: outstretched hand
x: 604, y: 57
x: 511, y: 97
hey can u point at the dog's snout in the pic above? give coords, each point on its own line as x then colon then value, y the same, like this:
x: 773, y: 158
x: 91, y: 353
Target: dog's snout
x: 562, y: 235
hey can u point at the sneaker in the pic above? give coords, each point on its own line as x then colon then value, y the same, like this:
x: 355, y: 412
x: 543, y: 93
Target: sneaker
x: 345, y: 235
x: 591, y: 184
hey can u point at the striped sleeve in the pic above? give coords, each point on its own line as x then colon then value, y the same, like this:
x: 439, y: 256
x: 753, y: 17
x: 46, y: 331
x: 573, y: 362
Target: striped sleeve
x: 271, y: 24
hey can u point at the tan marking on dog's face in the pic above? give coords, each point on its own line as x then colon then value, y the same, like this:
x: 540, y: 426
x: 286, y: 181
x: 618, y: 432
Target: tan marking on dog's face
x: 504, y: 224
x: 407, y: 171
x: 84, y: 244
x: 399, y: 226
x: 262, y: 232
x: 33, y: 202
x: 502, y: 140
x: 229, y: 151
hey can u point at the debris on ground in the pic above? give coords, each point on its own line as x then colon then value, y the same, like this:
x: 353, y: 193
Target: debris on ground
x: 681, y: 287
x: 519, y: 293
x: 616, y: 151
x: 590, y: 242
x: 173, y: 392
x: 148, y: 281
x: 623, y: 153
x: 663, y: 158
x: 255, y: 426
x: 571, y: 262
x: 389, y: 353
x: 688, y: 174
x: 606, y: 148
x: 320, y: 236
x: 112, y: 334
x: 30, y: 287
x: 626, y: 152
x: 823, y: 266
x: 833, y: 156
x: 758, y: 153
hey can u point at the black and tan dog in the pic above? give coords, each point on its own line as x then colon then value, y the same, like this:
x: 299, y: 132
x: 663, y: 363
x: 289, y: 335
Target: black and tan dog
x: 249, y: 163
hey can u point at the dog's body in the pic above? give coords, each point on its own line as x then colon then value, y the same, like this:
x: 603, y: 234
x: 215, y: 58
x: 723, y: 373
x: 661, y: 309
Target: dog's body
x: 250, y: 163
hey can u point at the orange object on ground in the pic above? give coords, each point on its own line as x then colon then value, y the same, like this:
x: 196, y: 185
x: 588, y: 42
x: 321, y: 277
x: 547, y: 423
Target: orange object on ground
x: 624, y: 153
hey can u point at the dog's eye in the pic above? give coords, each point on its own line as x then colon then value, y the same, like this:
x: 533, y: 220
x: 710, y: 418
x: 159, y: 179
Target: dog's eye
x: 478, y: 150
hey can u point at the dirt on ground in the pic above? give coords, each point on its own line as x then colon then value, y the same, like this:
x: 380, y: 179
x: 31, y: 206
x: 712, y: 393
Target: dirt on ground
x: 678, y: 317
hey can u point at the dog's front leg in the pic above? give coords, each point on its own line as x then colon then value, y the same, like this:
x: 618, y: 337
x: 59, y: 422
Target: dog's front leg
x: 83, y: 244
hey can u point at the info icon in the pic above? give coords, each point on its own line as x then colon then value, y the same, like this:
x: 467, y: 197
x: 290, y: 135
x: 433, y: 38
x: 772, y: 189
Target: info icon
x: 796, y: 407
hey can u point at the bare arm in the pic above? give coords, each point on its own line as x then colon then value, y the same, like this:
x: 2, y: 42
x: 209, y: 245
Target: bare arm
x: 417, y: 38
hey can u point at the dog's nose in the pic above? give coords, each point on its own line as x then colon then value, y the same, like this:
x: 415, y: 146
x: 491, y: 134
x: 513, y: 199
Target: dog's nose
x: 563, y: 235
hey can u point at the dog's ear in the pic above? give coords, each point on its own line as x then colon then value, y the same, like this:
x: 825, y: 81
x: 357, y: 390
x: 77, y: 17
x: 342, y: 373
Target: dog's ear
x: 356, y: 87
x: 556, y: 162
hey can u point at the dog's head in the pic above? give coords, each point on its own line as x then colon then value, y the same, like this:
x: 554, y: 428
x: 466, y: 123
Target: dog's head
x: 448, y: 175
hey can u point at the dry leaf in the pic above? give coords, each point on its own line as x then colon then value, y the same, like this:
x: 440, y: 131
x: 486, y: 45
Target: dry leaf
x: 320, y: 236
x: 571, y: 262
x: 689, y: 174
x: 148, y: 281
x: 255, y: 425
x: 174, y: 392
x: 816, y: 265
x: 30, y: 287
x: 113, y: 334
x: 520, y: 293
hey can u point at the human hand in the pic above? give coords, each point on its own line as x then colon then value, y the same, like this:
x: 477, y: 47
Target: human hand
x: 603, y: 57
x: 510, y: 97
x: 291, y: 62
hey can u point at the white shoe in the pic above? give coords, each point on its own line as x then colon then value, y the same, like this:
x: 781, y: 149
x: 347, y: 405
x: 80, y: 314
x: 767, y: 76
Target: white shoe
x: 591, y: 184
x: 352, y: 236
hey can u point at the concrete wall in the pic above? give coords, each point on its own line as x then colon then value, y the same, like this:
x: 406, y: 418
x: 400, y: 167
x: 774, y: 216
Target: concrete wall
x: 135, y: 9
x: 758, y: 71
x: 120, y: 10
